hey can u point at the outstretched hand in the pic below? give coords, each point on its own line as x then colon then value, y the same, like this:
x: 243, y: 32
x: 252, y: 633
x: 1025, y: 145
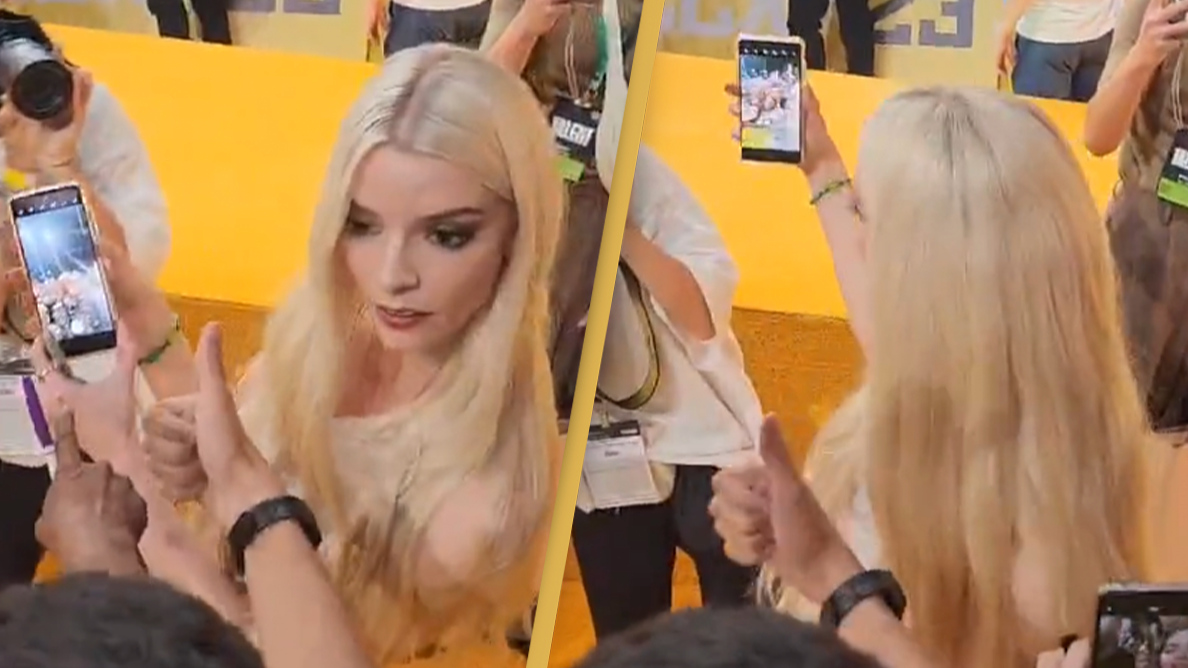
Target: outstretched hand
x: 819, y: 148
x: 237, y: 475
x: 104, y: 412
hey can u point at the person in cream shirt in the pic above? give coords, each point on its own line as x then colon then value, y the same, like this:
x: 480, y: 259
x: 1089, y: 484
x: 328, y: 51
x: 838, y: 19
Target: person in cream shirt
x: 675, y: 405
x: 102, y: 151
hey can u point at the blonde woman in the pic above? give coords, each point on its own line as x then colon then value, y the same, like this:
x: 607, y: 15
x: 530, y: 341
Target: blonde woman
x: 403, y: 387
x: 991, y: 458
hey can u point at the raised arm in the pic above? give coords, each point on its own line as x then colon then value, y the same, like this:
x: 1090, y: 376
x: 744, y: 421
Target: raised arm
x: 1147, y: 31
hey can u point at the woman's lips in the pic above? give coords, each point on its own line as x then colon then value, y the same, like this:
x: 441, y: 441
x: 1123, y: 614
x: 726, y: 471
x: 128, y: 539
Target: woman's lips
x: 400, y: 319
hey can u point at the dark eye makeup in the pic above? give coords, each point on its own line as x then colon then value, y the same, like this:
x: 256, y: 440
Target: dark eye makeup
x: 452, y: 229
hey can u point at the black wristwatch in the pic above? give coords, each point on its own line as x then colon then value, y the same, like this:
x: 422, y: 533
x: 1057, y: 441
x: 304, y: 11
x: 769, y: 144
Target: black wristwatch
x: 259, y: 518
x: 865, y: 585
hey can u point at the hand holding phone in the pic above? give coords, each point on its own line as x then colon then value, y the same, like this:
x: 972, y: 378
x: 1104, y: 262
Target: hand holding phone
x: 1142, y: 625
x: 771, y: 111
x: 57, y: 245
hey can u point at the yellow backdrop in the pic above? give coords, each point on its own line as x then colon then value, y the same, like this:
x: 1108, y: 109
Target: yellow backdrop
x: 240, y: 140
x: 334, y: 28
x: 923, y: 41
x: 761, y: 209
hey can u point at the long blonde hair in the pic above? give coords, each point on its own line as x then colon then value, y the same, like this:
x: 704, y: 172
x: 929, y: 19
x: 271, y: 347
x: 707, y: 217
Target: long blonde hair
x: 998, y: 407
x: 490, y: 407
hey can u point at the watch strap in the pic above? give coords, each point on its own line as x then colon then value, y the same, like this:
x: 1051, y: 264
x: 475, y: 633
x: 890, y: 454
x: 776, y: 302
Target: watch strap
x: 264, y: 515
x: 859, y: 588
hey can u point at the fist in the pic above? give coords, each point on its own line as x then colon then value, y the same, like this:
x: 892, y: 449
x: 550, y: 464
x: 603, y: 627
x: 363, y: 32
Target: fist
x: 171, y: 443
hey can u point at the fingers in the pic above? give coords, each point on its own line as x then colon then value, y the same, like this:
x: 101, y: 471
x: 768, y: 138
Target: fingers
x: 84, y: 85
x: 741, y: 516
x: 1078, y: 655
x: 1169, y: 18
x: 735, y: 109
x: 209, y: 360
x: 773, y: 448
x: 67, y: 452
x: 54, y: 374
x: 733, y: 90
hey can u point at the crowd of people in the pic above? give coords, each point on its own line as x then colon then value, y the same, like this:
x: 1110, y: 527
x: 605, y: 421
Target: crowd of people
x: 1014, y: 443
x: 377, y: 487
x: 390, y: 455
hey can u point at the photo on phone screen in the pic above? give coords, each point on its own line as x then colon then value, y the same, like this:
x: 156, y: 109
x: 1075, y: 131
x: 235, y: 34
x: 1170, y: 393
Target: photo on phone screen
x: 59, y: 253
x: 1139, y: 629
x: 769, y: 78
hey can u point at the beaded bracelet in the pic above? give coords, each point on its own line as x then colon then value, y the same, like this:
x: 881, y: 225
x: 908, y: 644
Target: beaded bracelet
x: 171, y: 338
x: 829, y: 189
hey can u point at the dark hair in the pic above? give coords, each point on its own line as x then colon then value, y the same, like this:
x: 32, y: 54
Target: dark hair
x: 725, y: 638
x: 97, y: 621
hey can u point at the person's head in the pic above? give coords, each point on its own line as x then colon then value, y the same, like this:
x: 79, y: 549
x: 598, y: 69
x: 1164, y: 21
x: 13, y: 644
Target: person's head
x: 432, y: 245
x: 1175, y: 650
x: 96, y: 621
x: 725, y: 638
x: 998, y: 404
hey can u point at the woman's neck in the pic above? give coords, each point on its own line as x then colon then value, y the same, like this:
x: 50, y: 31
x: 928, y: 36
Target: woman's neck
x: 388, y: 380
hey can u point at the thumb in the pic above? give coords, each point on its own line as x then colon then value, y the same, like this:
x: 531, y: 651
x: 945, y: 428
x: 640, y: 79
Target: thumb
x: 209, y: 359
x: 214, y: 401
x: 774, y: 449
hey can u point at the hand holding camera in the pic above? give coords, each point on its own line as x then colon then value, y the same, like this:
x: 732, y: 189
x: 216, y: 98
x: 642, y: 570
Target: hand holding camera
x: 44, y: 147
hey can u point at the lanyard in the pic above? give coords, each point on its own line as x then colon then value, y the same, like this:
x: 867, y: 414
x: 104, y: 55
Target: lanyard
x: 1176, y: 103
x: 647, y: 389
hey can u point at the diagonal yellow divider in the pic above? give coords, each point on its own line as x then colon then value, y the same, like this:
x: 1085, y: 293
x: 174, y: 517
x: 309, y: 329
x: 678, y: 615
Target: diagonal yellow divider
x: 583, y: 405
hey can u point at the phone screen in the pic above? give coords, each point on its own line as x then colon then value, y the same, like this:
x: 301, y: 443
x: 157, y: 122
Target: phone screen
x: 1146, y: 627
x: 769, y: 76
x: 60, y: 255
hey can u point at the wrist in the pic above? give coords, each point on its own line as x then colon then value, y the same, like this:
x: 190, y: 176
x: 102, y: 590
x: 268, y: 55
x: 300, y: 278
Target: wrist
x: 834, y: 572
x: 523, y: 30
x: 117, y: 561
x: 241, y: 492
x: 1144, y: 60
x: 826, y: 172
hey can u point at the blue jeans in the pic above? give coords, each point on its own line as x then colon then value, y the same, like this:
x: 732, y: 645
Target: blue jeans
x: 1059, y: 71
x: 409, y: 27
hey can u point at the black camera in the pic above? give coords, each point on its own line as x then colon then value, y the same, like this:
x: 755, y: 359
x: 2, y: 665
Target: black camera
x: 39, y: 84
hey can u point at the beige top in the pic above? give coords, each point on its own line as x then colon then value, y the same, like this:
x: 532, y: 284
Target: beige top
x: 1148, y: 144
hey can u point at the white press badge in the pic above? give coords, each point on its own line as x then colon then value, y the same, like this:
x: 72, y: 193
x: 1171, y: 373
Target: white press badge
x: 616, y: 472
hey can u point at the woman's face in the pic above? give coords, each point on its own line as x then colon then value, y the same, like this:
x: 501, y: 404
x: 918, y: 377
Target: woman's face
x: 425, y: 244
x: 1175, y: 651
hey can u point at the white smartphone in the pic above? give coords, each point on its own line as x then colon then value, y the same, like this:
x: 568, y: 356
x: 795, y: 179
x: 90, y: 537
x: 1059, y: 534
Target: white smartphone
x: 1141, y: 625
x: 770, y: 77
x: 55, y: 235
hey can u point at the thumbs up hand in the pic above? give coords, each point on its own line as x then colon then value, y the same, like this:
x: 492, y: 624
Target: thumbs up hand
x: 766, y: 513
x: 237, y: 475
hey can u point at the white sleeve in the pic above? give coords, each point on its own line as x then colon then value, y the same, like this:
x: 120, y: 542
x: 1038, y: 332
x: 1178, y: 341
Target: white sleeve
x: 114, y: 160
x: 669, y: 214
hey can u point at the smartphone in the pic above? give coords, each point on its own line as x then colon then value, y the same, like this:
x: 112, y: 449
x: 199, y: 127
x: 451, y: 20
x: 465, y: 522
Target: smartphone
x: 1141, y: 625
x: 55, y: 235
x: 770, y: 76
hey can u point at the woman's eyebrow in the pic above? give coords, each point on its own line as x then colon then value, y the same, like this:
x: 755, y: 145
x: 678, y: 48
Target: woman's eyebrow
x: 456, y: 214
x: 356, y: 210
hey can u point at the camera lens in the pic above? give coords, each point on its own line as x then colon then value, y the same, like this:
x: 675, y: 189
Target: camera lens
x: 43, y: 90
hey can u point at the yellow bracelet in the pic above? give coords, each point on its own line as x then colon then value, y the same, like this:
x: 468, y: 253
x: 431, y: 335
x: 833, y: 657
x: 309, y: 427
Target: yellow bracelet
x: 829, y: 189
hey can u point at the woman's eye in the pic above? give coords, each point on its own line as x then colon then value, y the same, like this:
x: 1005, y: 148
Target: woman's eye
x: 451, y: 239
x: 358, y: 228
